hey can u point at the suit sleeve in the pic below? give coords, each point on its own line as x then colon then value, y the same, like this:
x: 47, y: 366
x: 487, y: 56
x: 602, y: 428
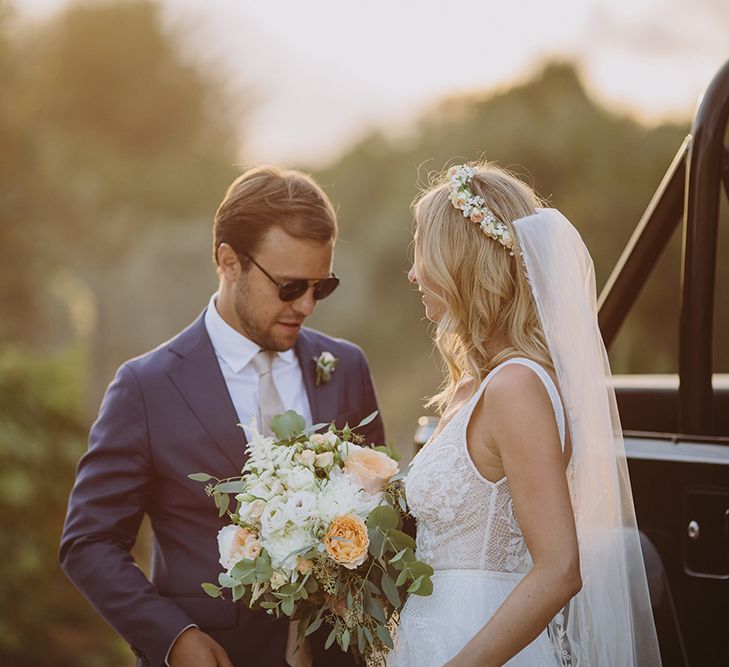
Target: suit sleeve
x: 105, y: 509
x: 374, y: 432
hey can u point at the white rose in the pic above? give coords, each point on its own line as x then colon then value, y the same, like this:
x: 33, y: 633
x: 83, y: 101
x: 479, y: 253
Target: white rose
x: 300, y: 507
x: 278, y: 579
x: 300, y: 478
x: 273, y: 517
x: 250, y: 512
x: 324, y: 459
x: 306, y: 457
x: 284, y: 547
x: 316, y: 439
x: 330, y: 439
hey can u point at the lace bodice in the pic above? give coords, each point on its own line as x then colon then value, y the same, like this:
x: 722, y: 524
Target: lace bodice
x: 464, y: 520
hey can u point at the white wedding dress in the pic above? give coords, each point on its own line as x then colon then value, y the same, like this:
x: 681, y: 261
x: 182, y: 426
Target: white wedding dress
x: 468, y: 532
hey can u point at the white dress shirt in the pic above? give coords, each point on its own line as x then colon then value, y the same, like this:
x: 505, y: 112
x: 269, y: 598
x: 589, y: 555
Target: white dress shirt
x: 235, y: 352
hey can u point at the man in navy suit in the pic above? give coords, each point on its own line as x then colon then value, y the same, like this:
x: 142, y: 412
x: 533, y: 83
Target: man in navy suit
x: 175, y: 410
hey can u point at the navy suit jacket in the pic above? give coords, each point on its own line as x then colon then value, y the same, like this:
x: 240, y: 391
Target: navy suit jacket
x: 165, y: 415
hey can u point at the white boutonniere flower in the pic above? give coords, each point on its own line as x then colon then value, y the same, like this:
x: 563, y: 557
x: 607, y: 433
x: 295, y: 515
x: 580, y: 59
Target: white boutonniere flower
x: 326, y: 362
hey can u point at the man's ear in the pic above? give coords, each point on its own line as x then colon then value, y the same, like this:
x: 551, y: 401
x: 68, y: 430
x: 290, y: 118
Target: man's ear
x: 228, y: 263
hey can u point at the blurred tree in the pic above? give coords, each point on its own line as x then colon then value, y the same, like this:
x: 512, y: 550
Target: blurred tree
x: 132, y: 139
x: 115, y: 151
x: 20, y: 283
x: 44, y: 620
x: 598, y: 167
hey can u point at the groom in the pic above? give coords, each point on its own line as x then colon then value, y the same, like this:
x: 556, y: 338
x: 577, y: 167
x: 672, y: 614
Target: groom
x: 175, y: 410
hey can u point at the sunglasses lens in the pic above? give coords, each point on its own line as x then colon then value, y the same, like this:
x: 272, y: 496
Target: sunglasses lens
x: 292, y: 290
x: 325, y: 287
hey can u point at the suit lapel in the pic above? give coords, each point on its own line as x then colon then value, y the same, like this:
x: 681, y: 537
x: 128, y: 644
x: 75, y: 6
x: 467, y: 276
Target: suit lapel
x: 199, y: 379
x: 323, y: 399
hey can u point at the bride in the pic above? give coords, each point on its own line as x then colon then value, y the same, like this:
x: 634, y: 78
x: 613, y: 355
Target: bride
x: 522, y: 495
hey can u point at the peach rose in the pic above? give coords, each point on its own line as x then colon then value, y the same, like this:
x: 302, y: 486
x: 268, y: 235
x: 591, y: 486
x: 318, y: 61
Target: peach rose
x: 477, y: 216
x: 347, y: 541
x: 369, y: 468
x: 235, y: 544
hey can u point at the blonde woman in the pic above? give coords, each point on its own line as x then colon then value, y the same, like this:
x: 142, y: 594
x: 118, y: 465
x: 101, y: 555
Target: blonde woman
x: 521, y: 496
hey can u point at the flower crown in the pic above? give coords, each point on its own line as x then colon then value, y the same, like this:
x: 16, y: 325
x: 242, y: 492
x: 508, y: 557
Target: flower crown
x: 474, y: 207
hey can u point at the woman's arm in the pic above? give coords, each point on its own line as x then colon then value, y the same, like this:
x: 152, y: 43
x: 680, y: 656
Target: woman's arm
x: 515, y: 416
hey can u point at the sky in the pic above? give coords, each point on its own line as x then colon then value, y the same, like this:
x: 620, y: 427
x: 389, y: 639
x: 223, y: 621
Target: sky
x: 322, y: 73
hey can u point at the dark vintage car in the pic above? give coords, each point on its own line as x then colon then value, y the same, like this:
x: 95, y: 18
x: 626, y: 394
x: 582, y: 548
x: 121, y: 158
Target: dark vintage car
x: 676, y: 427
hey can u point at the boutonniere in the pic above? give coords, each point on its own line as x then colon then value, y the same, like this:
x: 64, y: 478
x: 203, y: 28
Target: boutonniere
x: 326, y: 362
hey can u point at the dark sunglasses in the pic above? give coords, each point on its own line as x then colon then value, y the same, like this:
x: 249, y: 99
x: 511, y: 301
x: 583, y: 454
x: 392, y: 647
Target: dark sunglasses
x: 293, y: 289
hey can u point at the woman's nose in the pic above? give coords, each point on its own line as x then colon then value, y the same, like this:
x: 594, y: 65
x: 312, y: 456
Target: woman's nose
x: 412, y: 276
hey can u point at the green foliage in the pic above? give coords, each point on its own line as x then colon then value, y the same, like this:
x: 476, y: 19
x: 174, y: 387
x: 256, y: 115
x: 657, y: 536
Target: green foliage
x: 598, y: 167
x: 288, y: 426
x: 45, y: 621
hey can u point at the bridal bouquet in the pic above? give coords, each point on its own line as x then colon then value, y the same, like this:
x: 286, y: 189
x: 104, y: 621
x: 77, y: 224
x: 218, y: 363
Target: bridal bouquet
x: 315, y: 534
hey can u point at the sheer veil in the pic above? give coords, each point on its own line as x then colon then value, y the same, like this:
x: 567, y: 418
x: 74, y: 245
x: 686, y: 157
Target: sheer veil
x: 609, y: 623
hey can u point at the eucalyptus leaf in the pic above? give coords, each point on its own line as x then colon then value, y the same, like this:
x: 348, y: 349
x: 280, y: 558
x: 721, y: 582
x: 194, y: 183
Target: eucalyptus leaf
x: 383, y: 517
x: 345, y: 640
x: 264, y: 571
x: 401, y: 578
x: 235, y: 486
x: 372, y: 587
x: 313, y: 429
x: 330, y: 639
x: 390, y: 590
x: 400, y: 540
x: 366, y: 420
x: 222, y: 503
x: 200, y: 477
x: 384, y: 636
x: 417, y: 568
x: 212, y: 590
x: 238, y: 592
x: 360, y: 638
x: 425, y: 588
x: 377, y: 542
x: 416, y: 584
x: 248, y: 578
x: 368, y: 634
x: 226, y: 581
x: 287, y: 606
x: 242, y: 567
x: 288, y: 426
x: 374, y: 608
x: 313, y: 627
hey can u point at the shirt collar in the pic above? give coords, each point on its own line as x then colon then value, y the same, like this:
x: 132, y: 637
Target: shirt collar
x: 232, y: 346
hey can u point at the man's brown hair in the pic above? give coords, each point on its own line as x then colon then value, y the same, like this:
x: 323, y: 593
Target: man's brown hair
x: 266, y: 196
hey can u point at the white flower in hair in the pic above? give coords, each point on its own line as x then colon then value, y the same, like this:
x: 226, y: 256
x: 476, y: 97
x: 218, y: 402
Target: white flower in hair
x: 475, y: 208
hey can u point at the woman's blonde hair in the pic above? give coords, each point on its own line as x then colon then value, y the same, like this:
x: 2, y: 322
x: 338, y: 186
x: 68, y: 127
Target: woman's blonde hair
x: 481, y: 287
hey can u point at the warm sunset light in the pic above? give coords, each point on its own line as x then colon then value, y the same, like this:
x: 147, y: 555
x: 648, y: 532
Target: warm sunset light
x: 322, y: 72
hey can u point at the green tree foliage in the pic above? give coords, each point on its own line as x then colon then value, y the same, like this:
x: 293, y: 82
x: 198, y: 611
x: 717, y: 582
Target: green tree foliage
x: 115, y: 152
x: 598, y: 167
x: 44, y: 620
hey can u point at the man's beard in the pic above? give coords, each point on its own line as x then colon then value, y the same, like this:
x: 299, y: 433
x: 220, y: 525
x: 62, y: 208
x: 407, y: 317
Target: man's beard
x: 253, y: 330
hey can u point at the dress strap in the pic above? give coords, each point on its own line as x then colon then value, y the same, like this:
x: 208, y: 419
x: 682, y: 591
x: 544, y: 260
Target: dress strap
x: 546, y: 381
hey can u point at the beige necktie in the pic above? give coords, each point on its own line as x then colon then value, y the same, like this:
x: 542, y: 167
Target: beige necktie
x: 269, y: 400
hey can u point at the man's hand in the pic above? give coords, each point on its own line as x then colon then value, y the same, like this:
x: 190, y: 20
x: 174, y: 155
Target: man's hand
x: 302, y: 657
x: 194, y: 648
